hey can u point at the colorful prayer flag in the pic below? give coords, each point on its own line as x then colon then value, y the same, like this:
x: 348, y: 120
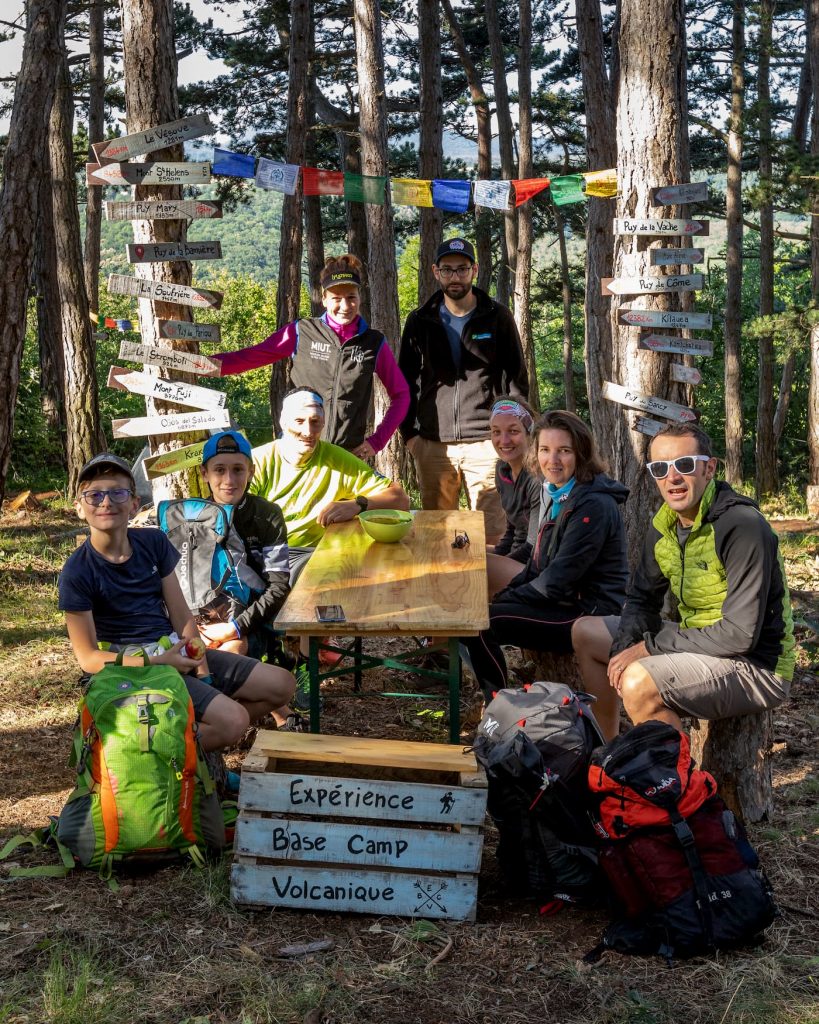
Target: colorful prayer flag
x: 411, y: 191
x: 451, y: 195
x: 124, y: 325
x: 601, y: 183
x: 526, y: 188
x: 494, y: 194
x: 365, y: 188
x: 322, y: 183
x: 275, y: 176
x: 568, y: 189
x: 234, y: 165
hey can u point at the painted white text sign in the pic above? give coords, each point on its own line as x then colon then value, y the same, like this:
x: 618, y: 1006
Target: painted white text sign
x: 169, y: 358
x: 189, y: 173
x: 173, y: 423
x: 164, y: 135
x: 675, y: 257
x: 685, y: 374
x: 646, y: 285
x: 165, y: 390
x: 171, y: 209
x: 676, y: 195
x: 648, y: 403
x: 158, y: 252
x: 673, y: 343
x: 664, y: 318
x: 660, y: 226
x: 188, y: 331
x: 163, y: 291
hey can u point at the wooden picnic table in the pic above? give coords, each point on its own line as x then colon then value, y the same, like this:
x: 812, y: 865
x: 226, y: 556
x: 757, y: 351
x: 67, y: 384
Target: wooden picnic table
x: 419, y: 587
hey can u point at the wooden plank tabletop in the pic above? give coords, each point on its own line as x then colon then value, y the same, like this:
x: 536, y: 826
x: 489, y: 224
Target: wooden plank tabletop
x: 361, y: 750
x: 421, y: 586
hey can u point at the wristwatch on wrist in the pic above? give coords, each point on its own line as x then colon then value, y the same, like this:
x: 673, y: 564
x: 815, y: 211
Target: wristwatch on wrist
x: 362, y: 502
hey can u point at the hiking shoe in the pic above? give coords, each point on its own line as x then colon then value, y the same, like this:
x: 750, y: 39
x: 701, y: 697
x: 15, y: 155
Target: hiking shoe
x: 301, y: 698
x: 294, y: 723
x: 231, y: 784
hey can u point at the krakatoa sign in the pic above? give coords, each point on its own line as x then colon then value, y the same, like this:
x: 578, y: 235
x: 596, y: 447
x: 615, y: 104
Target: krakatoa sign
x: 649, y: 403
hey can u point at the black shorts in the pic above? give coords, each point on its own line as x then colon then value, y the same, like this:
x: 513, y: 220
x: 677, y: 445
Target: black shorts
x: 229, y: 672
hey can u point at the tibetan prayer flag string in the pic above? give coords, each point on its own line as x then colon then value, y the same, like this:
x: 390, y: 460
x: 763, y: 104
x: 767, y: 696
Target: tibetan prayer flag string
x: 322, y: 183
x: 411, y: 191
x: 451, y: 195
x: 277, y: 177
x: 493, y: 194
x: 234, y: 165
x: 365, y: 188
x: 602, y: 184
x: 567, y: 189
x: 526, y: 188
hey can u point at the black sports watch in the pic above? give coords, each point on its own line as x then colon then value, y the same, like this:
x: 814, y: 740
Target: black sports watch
x: 362, y: 502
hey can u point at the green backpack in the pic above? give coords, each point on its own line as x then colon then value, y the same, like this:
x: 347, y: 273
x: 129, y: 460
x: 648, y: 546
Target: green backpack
x: 143, y: 792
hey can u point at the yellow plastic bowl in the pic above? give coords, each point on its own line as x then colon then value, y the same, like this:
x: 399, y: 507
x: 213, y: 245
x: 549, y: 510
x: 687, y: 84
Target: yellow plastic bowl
x: 387, y: 525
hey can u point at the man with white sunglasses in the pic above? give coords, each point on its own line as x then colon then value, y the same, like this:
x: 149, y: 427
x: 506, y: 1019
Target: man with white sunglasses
x: 731, y: 652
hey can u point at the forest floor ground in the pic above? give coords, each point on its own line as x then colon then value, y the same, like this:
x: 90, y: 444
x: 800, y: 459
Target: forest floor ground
x: 171, y: 947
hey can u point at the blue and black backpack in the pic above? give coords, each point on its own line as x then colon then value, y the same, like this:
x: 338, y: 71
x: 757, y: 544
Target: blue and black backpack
x: 213, y: 571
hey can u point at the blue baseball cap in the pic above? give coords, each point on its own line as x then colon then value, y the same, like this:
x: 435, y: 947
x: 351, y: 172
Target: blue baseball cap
x: 229, y: 442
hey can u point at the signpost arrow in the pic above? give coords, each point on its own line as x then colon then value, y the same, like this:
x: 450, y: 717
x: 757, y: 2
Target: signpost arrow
x: 158, y: 252
x: 188, y: 331
x: 642, y: 424
x: 676, y: 195
x: 663, y: 318
x: 649, y: 403
x: 673, y: 257
x: 164, y: 135
x: 171, y: 209
x: 164, y: 291
x: 172, y: 423
x: 173, y: 462
x: 148, y: 174
x: 169, y: 358
x: 651, y: 285
x: 685, y: 374
x: 673, y: 343
x: 660, y: 226
x: 166, y: 390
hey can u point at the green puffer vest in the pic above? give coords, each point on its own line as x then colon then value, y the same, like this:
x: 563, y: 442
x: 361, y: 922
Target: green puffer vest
x: 698, y: 578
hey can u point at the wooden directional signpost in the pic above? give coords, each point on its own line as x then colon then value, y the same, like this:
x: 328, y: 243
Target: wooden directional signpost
x: 679, y: 195
x: 149, y: 141
x: 191, y: 395
x: 660, y: 226
x: 188, y: 457
x: 672, y: 343
x: 170, y: 209
x: 664, y: 318
x: 168, y: 358
x: 158, y: 252
x: 685, y: 374
x: 172, y: 423
x: 649, y: 403
x: 187, y: 331
x: 674, y: 257
x: 148, y: 174
x: 651, y: 285
x: 163, y: 291
x: 646, y: 425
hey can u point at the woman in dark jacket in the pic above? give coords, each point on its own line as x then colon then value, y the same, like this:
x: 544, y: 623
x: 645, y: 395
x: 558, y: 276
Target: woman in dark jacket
x: 578, y: 561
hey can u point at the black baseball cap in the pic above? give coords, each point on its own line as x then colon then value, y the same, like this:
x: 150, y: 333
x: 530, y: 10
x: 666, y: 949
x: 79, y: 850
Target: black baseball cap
x: 105, y: 460
x: 455, y: 247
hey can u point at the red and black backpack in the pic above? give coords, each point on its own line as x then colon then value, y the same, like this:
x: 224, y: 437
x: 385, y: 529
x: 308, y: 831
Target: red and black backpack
x: 683, y: 875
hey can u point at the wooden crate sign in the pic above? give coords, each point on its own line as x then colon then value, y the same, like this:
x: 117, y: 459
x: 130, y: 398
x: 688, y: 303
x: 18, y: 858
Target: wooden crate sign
x: 651, y: 285
x: 164, y: 135
x: 664, y: 318
x: 676, y: 195
x: 188, y: 173
x: 164, y: 291
x: 187, y: 331
x: 172, y: 423
x: 672, y: 343
x: 340, y: 823
x: 685, y: 374
x: 173, y: 462
x: 165, y: 390
x: 158, y: 252
x: 171, y: 209
x: 168, y: 358
x: 649, y: 403
x: 675, y: 257
x: 660, y: 226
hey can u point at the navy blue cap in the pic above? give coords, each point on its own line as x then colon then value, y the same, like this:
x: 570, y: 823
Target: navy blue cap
x: 455, y: 247
x: 229, y: 442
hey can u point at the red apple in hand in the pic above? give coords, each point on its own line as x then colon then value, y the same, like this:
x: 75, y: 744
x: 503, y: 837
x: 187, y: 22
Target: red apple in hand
x: 195, y: 648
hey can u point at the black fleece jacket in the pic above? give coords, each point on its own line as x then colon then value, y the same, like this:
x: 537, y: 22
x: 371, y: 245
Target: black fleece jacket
x: 452, y: 403
x: 260, y: 525
x: 579, y: 559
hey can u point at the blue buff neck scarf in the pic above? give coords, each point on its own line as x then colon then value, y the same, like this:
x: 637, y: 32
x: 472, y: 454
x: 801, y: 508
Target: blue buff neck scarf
x: 558, y: 496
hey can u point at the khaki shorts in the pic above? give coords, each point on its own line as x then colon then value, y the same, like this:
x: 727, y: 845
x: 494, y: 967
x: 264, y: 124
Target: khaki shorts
x: 444, y: 468
x: 702, y: 686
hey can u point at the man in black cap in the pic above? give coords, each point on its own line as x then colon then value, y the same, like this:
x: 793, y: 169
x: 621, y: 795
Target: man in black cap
x: 459, y: 352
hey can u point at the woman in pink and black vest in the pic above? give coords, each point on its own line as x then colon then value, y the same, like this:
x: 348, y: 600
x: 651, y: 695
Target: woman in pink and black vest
x: 336, y: 355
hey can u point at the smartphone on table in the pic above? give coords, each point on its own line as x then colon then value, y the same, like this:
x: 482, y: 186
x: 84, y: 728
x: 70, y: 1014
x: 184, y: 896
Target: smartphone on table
x: 330, y: 613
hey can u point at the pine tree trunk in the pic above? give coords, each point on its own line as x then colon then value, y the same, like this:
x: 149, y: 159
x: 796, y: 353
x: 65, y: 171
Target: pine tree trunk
x: 149, y: 66
x: 431, y: 141
x: 601, y: 152
x: 314, y: 235
x: 20, y: 197
x: 812, y: 45
x: 652, y: 145
x: 506, y: 271
x: 737, y: 752
x: 733, y: 254
x: 380, y: 234
x: 569, y: 401
x: 766, y: 468
x: 96, y: 130
x: 783, y: 402
x: 49, y: 331
x: 83, y: 436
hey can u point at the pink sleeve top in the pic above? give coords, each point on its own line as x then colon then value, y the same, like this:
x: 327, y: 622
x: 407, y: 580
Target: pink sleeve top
x: 397, y: 388
x: 279, y: 345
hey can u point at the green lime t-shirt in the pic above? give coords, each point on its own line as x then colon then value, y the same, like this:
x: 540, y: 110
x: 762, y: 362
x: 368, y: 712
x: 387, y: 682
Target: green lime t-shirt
x: 301, y: 492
